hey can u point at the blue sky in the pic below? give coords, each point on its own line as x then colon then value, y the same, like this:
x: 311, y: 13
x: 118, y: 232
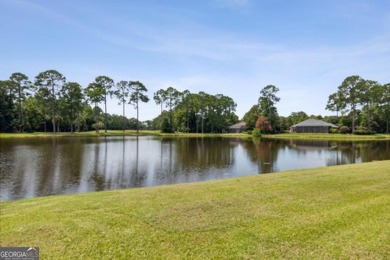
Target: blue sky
x: 233, y: 47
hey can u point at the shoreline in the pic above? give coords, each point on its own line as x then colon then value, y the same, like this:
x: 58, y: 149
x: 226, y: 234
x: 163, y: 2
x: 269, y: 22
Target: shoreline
x: 303, y: 136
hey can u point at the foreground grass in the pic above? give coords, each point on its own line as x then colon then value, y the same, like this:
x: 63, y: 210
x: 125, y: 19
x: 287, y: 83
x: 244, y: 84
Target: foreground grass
x: 334, y: 212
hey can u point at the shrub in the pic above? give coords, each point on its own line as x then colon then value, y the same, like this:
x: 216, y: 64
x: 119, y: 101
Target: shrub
x: 256, y: 132
x: 99, y: 125
x: 344, y: 130
x: 361, y: 130
x: 263, y: 125
x: 166, y: 127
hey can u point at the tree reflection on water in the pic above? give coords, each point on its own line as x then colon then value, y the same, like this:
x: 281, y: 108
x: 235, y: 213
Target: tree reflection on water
x: 39, y: 167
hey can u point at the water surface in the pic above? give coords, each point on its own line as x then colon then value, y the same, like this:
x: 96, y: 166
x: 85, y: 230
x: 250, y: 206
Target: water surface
x: 34, y: 167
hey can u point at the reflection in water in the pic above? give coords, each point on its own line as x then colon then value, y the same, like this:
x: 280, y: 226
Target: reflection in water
x: 39, y: 167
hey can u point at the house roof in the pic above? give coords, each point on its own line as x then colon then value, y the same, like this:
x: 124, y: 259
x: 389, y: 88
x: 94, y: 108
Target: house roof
x: 314, y: 122
x: 238, y: 126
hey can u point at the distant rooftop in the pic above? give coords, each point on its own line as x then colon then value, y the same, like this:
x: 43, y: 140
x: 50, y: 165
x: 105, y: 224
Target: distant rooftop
x: 238, y: 125
x: 314, y: 122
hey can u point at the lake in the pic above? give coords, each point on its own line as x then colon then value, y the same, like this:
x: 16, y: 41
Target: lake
x: 31, y: 167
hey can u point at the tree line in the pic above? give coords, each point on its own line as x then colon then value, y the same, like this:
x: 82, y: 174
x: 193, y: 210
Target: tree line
x: 50, y: 103
x: 364, y: 105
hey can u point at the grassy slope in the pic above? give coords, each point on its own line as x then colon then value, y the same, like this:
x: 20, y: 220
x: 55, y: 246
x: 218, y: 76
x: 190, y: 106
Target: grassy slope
x: 333, y: 212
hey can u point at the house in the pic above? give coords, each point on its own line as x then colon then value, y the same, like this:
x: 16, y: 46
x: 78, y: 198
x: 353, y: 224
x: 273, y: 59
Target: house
x: 312, y: 126
x: 238, y: 128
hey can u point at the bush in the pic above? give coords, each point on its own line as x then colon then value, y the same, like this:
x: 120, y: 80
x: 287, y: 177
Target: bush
x: 263, y: 125
x: 344, y: 130
x: 166, y: 127
x: 256, y: 132
x: 98, y: 126
x: 363, y: 131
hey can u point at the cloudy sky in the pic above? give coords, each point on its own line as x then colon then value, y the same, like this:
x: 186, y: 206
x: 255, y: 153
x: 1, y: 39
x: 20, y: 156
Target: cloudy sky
x: 232, y: 47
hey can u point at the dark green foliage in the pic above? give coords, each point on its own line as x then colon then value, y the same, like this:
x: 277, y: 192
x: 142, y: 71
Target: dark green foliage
x: 361, y: 130
x: 51, y: 83
x: 6, y: 106
x: 251, y: 116
x: 344, y: 130
x: 167, y: 127
x: 297, y: 117
x: 256, y: 132
x: 364, y: 104
x: 267, y: 108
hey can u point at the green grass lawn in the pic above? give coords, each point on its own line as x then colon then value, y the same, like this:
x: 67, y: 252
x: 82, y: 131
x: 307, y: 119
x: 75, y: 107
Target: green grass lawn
x: 324, y: 213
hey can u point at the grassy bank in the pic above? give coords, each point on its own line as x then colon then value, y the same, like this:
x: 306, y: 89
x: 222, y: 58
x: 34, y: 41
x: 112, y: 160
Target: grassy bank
x: 89, y: 133
x: 341, y: 137
x: 324, y: 213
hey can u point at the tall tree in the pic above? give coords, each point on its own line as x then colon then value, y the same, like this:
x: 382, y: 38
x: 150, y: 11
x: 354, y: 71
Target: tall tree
x: 106, y: 83
x: 23, y: 85
x: 370, y: 94
x: 7, y: 92
x: 53, y: 81
x: 223, y: 108
x: 43, y: 98
x: 251, y: 117
x: 335, y: 103
x: 205, y: 103
x: 138, y: 91
x: 349, y: 92
x: 33, y: 114
x: 159, y: 99
x: 384, y: 104
x: 122, y: 93
x: 73, y: 96
x: 95, y: 94
x: 267, y: 101
x: 172, y: 99
x: 191, y: 104
x: 187, y: 102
